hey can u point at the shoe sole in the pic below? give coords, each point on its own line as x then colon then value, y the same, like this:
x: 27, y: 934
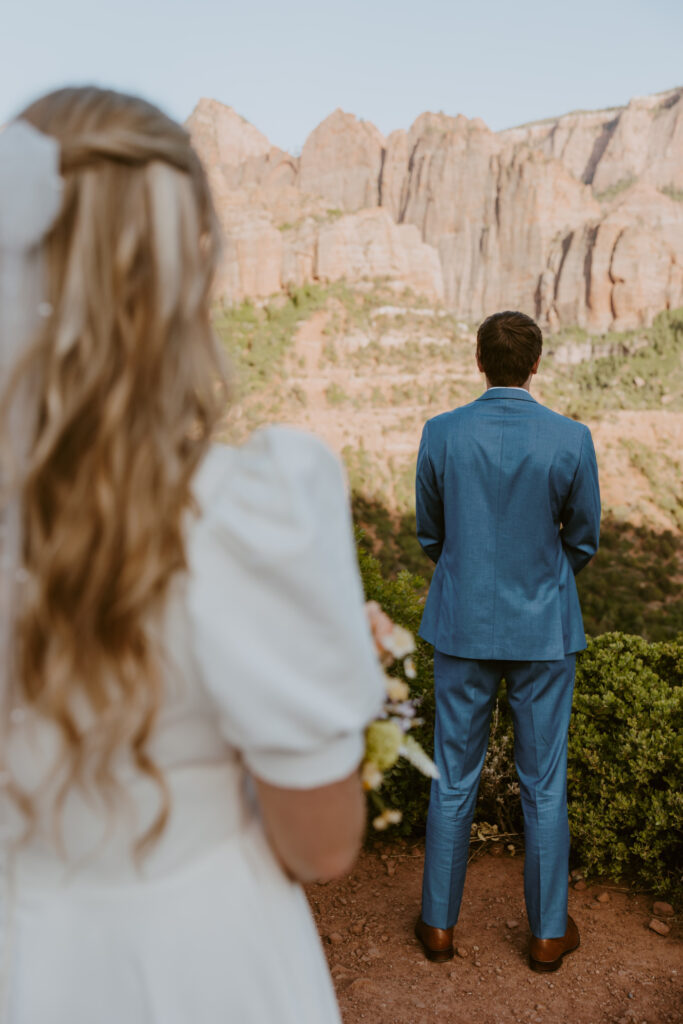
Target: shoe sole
x: 437, y: 956
x: 545, y: 966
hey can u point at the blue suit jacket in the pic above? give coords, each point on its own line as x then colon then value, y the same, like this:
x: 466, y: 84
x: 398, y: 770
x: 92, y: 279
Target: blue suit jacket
x: 508, y: 506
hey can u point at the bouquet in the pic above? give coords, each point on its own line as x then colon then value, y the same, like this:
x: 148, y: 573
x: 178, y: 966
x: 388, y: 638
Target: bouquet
x: 388, y: 738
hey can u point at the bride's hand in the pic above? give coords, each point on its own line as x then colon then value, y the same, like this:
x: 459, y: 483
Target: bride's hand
x: 380, y: 625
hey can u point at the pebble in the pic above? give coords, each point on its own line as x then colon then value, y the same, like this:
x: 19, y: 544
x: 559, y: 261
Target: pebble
x: 580, y: 885
x: 512, y: 925
x: 360, y: 983
x: 334, y: 938
x: 602, y: 897
x: 577, y: 873
x: 385, y: 937
x: 662, y: 909
x: 477, y: 963
x: 391, y: 867
x: 357, y: 927
x: 659, y: 927
x: 462, y: 952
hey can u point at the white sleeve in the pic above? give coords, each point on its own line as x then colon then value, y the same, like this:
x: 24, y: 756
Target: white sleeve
x: 276, y: 604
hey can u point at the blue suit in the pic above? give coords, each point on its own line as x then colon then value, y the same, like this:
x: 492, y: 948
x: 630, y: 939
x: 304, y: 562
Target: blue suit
x: 508, y: 506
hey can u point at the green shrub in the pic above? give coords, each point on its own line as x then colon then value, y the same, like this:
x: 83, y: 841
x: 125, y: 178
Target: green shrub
x: 335, y: 394
x: 258, y: 338
x: 625, y: 757
x: 625, y: 748
x: 630, y: 586
x: 402, y: 600
x: 643, y: 371
x: 672, y: 192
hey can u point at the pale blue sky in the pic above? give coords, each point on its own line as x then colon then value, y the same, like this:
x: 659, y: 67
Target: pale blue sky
x: 286, y: 65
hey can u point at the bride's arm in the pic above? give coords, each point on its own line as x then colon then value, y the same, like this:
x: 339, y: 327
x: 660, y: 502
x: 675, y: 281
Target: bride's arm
x: 316, y: 833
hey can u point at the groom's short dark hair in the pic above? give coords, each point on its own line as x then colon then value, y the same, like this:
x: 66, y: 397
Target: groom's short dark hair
x: 508, y: 345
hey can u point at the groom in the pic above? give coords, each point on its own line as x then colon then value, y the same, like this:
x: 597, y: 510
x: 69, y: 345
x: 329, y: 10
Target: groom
x: 508, y: 507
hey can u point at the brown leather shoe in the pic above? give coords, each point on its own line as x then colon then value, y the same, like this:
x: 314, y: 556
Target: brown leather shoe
x: 436, y: 942
x: 547, y: 954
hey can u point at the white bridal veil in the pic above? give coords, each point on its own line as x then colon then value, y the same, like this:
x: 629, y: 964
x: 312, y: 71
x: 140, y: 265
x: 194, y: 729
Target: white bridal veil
x: 30, y: 199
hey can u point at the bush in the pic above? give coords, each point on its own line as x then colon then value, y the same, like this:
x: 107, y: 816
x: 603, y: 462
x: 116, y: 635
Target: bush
x: 625, y: 749
x: 625, y: 756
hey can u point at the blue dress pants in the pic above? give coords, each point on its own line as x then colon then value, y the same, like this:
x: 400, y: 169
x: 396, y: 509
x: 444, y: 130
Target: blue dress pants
x: 540, y: 696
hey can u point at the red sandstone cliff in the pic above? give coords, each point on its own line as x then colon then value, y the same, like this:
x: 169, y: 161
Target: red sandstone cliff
x: 575, y: 220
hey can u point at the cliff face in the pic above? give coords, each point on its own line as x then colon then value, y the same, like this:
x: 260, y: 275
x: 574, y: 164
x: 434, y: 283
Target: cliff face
x: 576, y: 220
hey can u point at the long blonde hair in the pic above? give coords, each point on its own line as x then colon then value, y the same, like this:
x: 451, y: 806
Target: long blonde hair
x: 128, y: 376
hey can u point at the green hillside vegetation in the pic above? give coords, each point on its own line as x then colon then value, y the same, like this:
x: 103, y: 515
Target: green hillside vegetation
x: 645, y: 371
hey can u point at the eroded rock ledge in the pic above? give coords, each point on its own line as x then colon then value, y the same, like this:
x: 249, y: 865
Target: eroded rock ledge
x: 577, y: 220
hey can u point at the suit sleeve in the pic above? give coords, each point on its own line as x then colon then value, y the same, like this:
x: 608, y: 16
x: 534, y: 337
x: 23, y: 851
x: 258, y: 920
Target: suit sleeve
x: 428, y: 503
x: 581, y: 513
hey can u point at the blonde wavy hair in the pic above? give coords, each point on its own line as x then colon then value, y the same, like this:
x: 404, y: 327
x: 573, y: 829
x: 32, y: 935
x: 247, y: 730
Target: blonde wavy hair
x: 129, y: 382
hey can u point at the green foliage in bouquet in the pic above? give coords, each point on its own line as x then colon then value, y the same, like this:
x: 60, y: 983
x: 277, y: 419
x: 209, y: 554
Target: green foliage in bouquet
x: 625, y: 749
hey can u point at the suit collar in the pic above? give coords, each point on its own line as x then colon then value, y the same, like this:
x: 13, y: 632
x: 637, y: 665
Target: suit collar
x: 514, y: 393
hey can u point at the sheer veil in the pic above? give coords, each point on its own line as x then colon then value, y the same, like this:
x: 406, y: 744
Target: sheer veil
x: 30, y: 200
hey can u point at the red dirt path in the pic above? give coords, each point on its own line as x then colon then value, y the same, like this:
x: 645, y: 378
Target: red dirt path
x: 623, y: 973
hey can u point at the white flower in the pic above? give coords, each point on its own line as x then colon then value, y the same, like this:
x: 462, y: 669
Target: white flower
x: 397, y: 690
x: 413, y: 752
x: 371, y: 776
x: 386, y: 818
x: 400, y: 642
x: 409, y: 668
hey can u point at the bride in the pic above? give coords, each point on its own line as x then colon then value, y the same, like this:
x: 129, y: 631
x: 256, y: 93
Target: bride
x: 186, y: 666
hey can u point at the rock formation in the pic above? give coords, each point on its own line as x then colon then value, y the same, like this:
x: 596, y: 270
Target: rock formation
x: 575, y: 220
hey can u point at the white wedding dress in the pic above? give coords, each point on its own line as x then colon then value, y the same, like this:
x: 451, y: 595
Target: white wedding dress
x: 269, y: 668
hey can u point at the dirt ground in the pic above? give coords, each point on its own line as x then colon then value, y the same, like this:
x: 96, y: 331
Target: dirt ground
x: 623, y: 973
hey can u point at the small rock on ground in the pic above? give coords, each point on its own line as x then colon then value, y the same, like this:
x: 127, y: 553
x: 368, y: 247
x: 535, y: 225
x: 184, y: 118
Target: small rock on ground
x: 659, y: 927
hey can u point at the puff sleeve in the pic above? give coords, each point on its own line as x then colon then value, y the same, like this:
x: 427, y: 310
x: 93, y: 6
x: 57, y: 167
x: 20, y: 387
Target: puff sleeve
x: 276, y: 607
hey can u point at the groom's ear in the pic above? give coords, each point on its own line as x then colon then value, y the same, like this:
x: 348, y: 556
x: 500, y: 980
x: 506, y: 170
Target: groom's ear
x: 479, y: 366
x: 534, y: 368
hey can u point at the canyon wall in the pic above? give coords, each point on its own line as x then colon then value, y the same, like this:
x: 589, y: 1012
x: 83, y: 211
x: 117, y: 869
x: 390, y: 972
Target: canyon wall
x: 576, y: 220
